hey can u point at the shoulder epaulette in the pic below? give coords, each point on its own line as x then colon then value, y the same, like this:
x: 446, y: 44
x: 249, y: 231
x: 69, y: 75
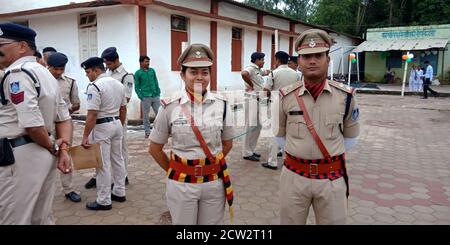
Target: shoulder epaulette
x: 69, y: 77
x: 219, y: 96
x: 290, y: 88
x: 341, y: 86
x: 168, y: 101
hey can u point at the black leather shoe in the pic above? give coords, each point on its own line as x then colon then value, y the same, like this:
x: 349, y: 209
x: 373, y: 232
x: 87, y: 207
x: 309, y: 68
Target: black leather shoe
x: 280, y: 154
x: 126, y: 181
x: 257, y: 155
x: 117, y: 198
x: 96, y: 206
x: 73, y: 196
x: 266, y: 165
x: 91, y: 183
x: 252, y: 158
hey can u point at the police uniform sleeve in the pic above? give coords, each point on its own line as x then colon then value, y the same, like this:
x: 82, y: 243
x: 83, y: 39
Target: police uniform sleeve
x: 62, y: 109
x: 250, y: 71
x: 161, y: 127
x: 93, y: 98
x: 351, y: 121
x: 74, y: 98
x: 24, y: 97
x: 268, y: 81
x: 279, y: 121
x: 124, y: 99
x: 128, y: 82
x: 228, y: 130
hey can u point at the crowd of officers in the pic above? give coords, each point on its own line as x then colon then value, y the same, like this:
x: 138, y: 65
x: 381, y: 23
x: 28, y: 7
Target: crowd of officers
x: 314, y: 121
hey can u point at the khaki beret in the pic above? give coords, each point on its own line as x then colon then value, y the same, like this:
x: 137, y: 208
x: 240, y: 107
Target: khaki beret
x: 196, y: 55
x: 313, y: 41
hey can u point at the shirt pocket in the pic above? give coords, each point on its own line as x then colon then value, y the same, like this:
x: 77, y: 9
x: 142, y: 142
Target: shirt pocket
x: 333, y: 125
x: 180, y: 134
x: 296, y: 127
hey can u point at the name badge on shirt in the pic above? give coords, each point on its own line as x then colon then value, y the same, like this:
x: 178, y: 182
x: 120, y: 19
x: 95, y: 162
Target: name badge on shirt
x: 180, y: 121
x: 293, y: 113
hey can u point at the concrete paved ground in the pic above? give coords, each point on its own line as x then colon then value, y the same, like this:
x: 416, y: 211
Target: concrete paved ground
x: 399, y: 173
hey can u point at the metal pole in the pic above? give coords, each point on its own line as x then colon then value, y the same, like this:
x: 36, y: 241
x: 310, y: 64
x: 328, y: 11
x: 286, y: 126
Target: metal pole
x: 332, y: 69
x: 342, y: 61
x: 404, y: 76
x: 276, y: 41
x: 349, y: 70
x: 357, y: 65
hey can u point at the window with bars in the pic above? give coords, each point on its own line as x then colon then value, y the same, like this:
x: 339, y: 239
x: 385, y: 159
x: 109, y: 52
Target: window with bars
x: 179, y: 35
x: 236, y: 49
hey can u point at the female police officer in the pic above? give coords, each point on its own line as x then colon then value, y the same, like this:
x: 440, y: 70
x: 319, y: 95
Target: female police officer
x: 198, y: 181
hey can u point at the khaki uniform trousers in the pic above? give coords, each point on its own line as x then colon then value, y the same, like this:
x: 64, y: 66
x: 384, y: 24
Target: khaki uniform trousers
x: 274, y: 149
x: 109, y: 135
x: 7, y: 194
x: 252, y: 126
x: 35, y: 175
x: 125, y: 147
x: 297, y: 193
x: 196, y: 204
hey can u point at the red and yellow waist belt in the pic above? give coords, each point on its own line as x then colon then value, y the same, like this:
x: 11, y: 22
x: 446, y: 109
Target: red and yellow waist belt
x: 318, y: 168
x: 201, y: 171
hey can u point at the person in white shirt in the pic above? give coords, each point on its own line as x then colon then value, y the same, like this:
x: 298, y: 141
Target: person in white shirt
x: 427, y: 82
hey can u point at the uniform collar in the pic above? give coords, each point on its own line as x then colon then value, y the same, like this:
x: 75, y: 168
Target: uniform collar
x: 185, y: 98
x: 119, y: 69
x: 101, y: 76
x: 22, y: 60
x: 303, y: 88
x: 254, y: 65
x: 283, y: 66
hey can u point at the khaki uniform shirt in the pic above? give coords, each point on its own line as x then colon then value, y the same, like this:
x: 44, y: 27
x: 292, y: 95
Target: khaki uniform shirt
x: 255, y: 76
x: 327, y: 115
x: 281, y: 77
x: 108, y: 98
x: 69, y: 90
x: 120, y: 74
x: 24, y: 108
x: 208, y: 116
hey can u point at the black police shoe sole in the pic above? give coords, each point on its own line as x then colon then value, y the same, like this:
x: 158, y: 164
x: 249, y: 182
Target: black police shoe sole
x: 252, y: 158
x: 117, y: 198
x: 266, y: 165
x: 74, y: 197
x: 91, y: 184
x: 257, y: 155
x: 96, y: 206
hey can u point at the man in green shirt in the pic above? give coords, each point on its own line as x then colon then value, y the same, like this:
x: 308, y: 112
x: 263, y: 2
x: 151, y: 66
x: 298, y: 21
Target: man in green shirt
x: 147, y: 89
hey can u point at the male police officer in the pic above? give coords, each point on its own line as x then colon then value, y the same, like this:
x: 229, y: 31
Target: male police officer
x: 254, y: 82
x: 106, y: 104
x: 46, y: 52
x: 117, y: 71
x: 56, y: 64
x: 293, y: 63
x: 282, y: 76
x: 31, y: 107
x: 315, y: 115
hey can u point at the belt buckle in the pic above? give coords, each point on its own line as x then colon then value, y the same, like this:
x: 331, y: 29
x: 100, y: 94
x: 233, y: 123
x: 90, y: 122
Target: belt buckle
x: 198, y: 171
x: 313, y: 169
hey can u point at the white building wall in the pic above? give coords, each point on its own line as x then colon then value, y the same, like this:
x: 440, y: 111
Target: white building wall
x: 299, y: 28
x: 275, y: 22
x: 266, y: 48
x: 117, y: 26
x: 8, y: 6
x: 201, y: 5
x: 284, y: 43
x: 199, y: 31
x: 61, y: 32
x: 159, y: 51
x: 346, y: 44
x: 238, y: 13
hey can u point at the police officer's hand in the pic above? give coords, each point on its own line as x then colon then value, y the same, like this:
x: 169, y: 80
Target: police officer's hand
x: 85, y: 143
x: 64, y: 164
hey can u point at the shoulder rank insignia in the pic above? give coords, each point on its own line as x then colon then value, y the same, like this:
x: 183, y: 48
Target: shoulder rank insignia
x: 341, y: 86
x: 166, y: 102
x: 288, y: 89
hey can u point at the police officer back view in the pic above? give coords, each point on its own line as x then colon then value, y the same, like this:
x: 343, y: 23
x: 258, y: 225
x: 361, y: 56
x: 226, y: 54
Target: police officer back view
x: 31, y: 107
x: 106, y: 104
x: 282, y: 76
x: 317, y: 116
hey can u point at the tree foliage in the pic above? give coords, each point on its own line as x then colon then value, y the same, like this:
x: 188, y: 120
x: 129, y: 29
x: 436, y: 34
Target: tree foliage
x: 355, y: 16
